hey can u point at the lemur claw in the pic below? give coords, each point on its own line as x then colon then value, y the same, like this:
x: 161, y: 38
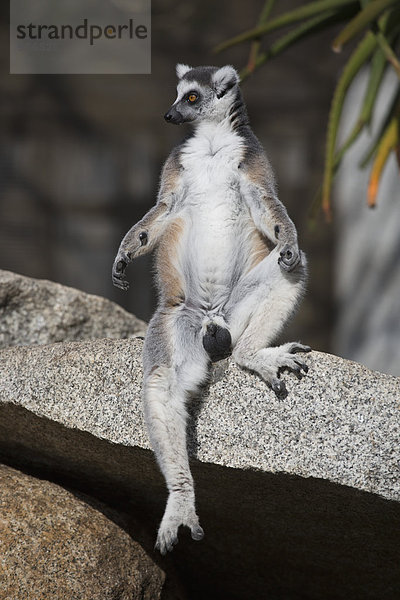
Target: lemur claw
x: 197, y: 534
x: 300, y: 366
x: 297, y: 371
x: 299, y: 348
x: 289, y: 258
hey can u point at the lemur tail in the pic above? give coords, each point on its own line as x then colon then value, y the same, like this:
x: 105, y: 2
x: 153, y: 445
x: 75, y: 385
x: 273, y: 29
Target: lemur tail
x: 217, y: 342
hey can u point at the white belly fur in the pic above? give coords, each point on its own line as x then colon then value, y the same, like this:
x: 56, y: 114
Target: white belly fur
x: 214, y: 211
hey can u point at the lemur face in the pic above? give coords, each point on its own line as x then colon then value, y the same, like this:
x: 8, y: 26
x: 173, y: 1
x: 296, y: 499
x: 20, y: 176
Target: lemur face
x: 203, y: 93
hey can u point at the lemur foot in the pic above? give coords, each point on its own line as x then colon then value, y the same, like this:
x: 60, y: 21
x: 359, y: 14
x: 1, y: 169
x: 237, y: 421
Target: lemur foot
x: 118, y: 272
x: 180, y: 510
x: 289, y: 258
x: 284, y: 360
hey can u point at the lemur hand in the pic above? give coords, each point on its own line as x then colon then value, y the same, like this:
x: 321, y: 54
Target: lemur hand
x: 289, y: 257
x: 118, y: 271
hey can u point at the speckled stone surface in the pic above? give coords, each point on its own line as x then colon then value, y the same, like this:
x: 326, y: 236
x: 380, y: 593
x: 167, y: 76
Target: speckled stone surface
x: 55, y: 546
x: 297, y: 497
x: 34, y: 311
x: 340, y: 423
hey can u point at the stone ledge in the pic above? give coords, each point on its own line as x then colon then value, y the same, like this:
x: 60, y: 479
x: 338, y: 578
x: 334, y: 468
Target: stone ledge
x: 340, y: 423
x: 293, y: 494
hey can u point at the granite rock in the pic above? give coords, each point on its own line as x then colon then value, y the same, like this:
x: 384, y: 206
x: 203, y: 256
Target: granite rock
x: 34, y: 311
x: 299, y: 498
x: 341, y: 422
x: 55, y: 545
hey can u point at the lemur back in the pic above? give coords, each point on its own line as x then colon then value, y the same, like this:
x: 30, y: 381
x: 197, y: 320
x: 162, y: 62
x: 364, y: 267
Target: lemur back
x: 228, y: 267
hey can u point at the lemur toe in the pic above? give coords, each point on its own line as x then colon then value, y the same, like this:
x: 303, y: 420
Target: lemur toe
x: 279, y: 388
x: 197, y: 533
x: 296, y: 347
x: 166, y: 542
x: 300, y: 365
x: 120, y: 282
x: 297, y: 371
x: 120, y: 266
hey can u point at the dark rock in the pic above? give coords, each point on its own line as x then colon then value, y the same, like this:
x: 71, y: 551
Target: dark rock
x: 54, y: 545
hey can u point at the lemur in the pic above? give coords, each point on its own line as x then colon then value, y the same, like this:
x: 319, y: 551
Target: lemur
x: 228, y: 268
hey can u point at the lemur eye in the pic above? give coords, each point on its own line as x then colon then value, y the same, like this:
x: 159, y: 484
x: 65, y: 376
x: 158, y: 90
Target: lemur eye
x: 143, y: 238
x: 192, y: 97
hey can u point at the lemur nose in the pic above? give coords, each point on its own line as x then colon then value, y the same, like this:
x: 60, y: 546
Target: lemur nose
x: 167, y: 116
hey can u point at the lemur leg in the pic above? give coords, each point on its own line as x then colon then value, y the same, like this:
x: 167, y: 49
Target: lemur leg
x: 175, y: 365
x: 261, y: 304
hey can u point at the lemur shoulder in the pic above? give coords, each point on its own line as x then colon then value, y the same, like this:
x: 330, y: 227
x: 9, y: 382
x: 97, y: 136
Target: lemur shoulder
x: 228, y: 267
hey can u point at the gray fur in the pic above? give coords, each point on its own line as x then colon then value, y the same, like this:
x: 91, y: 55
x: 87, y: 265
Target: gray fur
x: 201, y: 75
x: 227, y: 261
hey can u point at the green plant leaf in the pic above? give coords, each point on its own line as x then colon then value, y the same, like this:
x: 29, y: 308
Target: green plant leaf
x: 307, y: 28
x: 266, y: 11
x: 388, y: 142
x: 255, y: 46
x: 294, y: 16
x: 378, y: 66
x: 389, y: 25
x: 377, y: 70
x: 389, y: 52
x: 393, y: 108
x: 360, y: 55
x: 366, y: 16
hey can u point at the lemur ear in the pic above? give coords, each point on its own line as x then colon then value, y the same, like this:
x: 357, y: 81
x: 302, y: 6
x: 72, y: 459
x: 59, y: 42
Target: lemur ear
x: 224, y: 79
x: 181, y: 70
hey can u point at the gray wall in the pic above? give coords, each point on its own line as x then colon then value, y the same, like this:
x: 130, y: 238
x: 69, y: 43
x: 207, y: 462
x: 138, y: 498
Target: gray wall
x: 367, y: 256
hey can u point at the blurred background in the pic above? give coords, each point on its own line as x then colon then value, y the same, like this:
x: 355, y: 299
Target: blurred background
x: 81, y: 157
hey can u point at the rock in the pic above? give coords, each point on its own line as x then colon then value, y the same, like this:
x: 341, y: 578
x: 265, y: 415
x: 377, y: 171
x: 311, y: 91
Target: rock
x: 54, y: 545
x: 34, y: 311
x: 298, y: 497
x: 333, y: 425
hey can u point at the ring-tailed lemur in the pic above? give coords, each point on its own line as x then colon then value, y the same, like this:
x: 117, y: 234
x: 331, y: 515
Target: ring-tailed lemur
x: 229, y: 272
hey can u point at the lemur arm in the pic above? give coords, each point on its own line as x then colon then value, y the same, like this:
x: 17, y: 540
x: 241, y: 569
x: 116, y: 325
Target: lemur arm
x: 144, y: 236
x: 267, y: 211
